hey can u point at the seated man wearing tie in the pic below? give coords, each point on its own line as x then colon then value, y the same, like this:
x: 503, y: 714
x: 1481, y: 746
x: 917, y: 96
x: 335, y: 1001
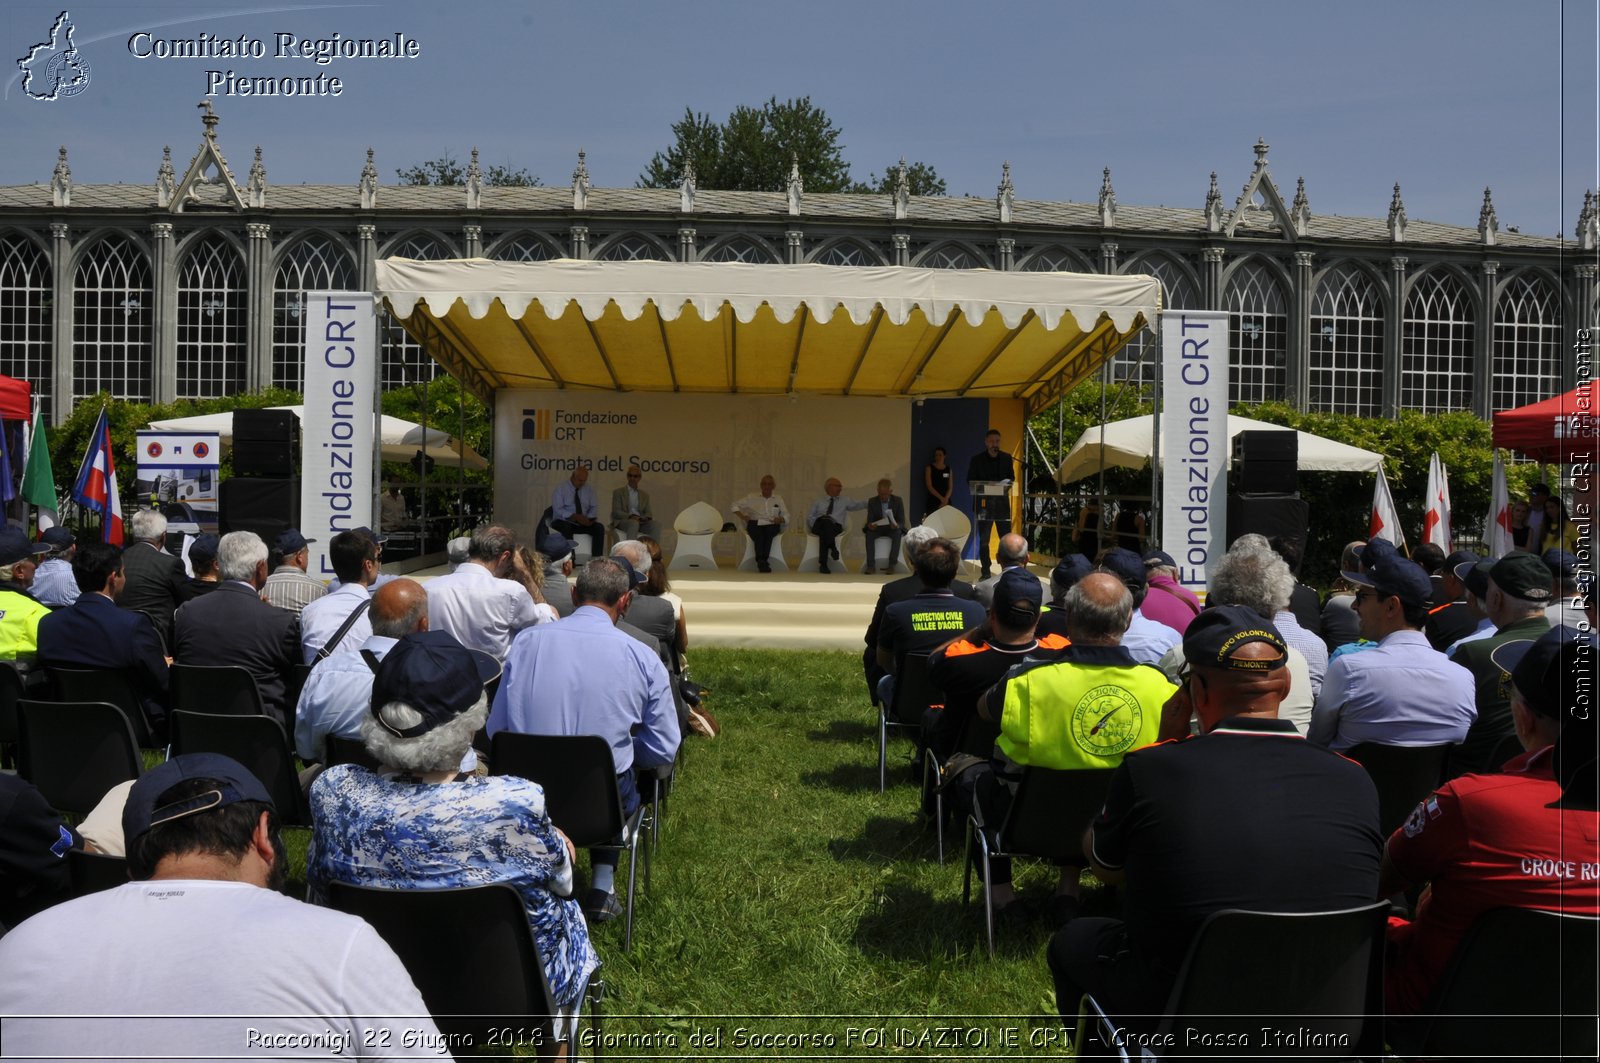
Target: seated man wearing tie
x: 886, y: 518
x: 826, y: 521
x: 630, y: 508
x: 573, y: 510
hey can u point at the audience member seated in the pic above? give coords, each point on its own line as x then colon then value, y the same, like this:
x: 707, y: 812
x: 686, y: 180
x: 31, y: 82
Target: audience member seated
x: 1304, y: 602
x: 94, y: 633
x: 232, y: 625
x: 969, y: 664
x: 1278, y: 606
x: 825, y: 519
x: 557, y: 587
x: 420, y: 823
x: 1068, y: 571
x: 1082, y: 707
x: 156, y: 583
x: 485, y: 602
x: 1251, y: 575
x: 583, y: 676
x: 1401, y: 692
x: 337, y: 622
x: 1566, y: 601
x: 19, y: 612
x: 33, y: 857
x: 203, y: 929
x: 1502, y: 840
x: 1167, y: 601
x: 1012, y: 552
x: 1519, y: 591
x: 659, y: 585
x: 53, y: 584
x: 1340, y: 625
x: 529, y: 571
x: 1450, y: 618
x: 1245, y: 814
x: 898, y: 591
x: 573, y: 511
x: 631, y: 515
x: 651, y: 614
x: 927, y: 619
x: 1475, y: 578
x: 203, y: 563
x: 288, y: 586
x: 1145, y: 639
x: 886, y: 519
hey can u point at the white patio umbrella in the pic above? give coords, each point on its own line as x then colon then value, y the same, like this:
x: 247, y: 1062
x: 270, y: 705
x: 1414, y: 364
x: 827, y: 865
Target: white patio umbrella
x: 401, y: 439
x: 1127, y: 446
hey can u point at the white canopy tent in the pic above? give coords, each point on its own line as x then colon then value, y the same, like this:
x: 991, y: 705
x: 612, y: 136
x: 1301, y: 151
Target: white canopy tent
x: 1128, y: 443
x: 401, y: 439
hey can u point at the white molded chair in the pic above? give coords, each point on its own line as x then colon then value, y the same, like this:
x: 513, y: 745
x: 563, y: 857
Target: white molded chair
x: 881, y: 556
x: 696, y: 526
x: 951, y: 524
x: 809, y: 560
x: 748, y: 562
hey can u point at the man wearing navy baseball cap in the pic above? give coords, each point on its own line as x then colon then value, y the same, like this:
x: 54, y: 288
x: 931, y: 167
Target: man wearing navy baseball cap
x: 1519, y: 590
x: 20, y: 613
x: 1521, y: 837
x: 201, y: 930
x: 1401, y: 692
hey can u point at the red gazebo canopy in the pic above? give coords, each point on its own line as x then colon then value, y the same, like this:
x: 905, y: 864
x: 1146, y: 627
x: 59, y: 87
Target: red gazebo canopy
x: 1551, y: 431
x: 16, y: 399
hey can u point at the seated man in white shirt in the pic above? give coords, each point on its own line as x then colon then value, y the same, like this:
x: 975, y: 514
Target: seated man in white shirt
x: 764, y: 515
x: 337, y: 622
x: 478, y: 603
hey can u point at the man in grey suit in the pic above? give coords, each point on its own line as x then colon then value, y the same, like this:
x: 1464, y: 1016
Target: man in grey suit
x: 631, y: 515
x: 556, y: 588
x: 156, y: 582
x: 886, y: 518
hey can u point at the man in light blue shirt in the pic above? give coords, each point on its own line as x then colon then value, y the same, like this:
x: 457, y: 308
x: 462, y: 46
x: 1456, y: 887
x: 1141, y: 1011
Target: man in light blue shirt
x: 1147, y: 640
x: 53, y: 583
x: 825, y: 519
x: 1402, y: 692
x: 573, y: 510
x: 354, y: 557
x: 581, y: 675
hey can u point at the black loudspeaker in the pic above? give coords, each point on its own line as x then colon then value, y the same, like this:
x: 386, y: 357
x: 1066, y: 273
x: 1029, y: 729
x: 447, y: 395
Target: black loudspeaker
x: 264, y: 505
x: 1273, y: 516
x: 1264, y: 462
x: 265, y: 442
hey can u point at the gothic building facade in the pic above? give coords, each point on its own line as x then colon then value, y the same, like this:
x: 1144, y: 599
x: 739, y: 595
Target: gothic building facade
x: 191, y: 285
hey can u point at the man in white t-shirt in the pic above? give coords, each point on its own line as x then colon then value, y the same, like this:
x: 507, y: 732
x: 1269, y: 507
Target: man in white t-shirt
x: 203, y: 931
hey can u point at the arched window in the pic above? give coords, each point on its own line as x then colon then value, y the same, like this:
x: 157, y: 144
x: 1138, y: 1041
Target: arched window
x: 1258, y: 334
x: 211, y: 321
x: 1346, y: 370
x: 112, y: 320
x: 739, y: 249
x: 401, y: 359
x: 26, y: 327
x: 847, y: 253
x: 632, y: 249
x: 1141, y: 358
x: 1527, y: 343
x: 316, y: 263
x: 950, y: 256
x: 523, y: 248
x: 1436, y: 341
x: 1055, y: 260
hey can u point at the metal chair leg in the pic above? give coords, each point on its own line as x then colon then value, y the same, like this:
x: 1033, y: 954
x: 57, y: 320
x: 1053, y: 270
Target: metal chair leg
x: 883, y: 749
x: 988, y: 892
x: 633, y: 867
x: 966, y: 870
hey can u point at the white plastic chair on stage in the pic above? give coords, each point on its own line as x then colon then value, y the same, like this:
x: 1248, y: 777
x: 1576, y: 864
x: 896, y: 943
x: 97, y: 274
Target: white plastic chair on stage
x: 748, y: 562
x: 951, y: 524
x: 809, y: 560
x: 881, y: 556
x: 696, y: 526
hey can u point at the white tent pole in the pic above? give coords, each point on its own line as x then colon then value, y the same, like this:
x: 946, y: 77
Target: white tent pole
x: 1155, y: 439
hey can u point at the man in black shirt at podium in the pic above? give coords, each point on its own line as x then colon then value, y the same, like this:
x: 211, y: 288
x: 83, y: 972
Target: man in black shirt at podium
x: 991, y: 511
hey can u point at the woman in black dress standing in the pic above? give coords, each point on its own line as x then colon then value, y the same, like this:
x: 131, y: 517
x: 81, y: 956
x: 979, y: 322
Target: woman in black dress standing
x: 936, y: 479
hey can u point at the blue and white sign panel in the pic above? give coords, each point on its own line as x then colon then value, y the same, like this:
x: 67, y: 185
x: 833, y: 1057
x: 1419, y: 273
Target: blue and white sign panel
x: 1194, y: 440
x: 339, y: 429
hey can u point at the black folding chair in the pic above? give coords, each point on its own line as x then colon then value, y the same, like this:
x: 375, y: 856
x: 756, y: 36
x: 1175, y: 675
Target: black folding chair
x: 93, y: 872
x: 110, y: 685
x: 293, y: 684
x: 11, y: 692
x: 257, y: 742
x: 1249, y: 975
x: 1403, y: 775
x: 215, y: 689
x: 579, y: 778
x: 75, y: 751
x: 1522, y: 985
x: 338, y: 750
x: 1046, y: 820
x: 914, y: 693
x: 472, y: 955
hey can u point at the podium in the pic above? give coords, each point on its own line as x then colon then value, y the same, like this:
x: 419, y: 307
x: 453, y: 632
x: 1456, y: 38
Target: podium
x: 991, y: 499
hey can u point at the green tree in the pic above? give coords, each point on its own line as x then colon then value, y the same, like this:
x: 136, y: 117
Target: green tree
x: 446, y: 170
x: 921, y: 177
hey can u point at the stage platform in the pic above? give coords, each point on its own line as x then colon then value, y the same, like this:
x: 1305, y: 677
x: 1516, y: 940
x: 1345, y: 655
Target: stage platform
x: 780, y: 610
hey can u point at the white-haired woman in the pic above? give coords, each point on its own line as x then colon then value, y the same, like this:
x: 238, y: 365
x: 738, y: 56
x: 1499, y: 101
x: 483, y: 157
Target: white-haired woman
x: 418, y: 823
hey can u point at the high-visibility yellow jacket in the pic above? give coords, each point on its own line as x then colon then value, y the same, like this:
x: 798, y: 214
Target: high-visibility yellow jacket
x: 1083, y: 709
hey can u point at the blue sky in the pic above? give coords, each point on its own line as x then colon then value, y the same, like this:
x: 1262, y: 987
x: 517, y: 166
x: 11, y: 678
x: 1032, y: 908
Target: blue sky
x: 1444, y: 97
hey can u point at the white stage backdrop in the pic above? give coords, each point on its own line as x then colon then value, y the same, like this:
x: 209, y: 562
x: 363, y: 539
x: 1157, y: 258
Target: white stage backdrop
x: 695, y: 448
x: 1194, y: 440
x: 338, y: 431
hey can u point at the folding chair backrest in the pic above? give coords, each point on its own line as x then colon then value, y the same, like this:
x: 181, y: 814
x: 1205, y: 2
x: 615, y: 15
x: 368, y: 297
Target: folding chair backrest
x: 93, y: 872
x: 110, y: 685
x: 75, y: 751
x: 469, y: 950
x: 1512, y: 970
x: 1320, y: 972
x: 11, y: 692
x: 347, y: 751
x: 579, y: 778
x: 216, y: 689
x: 1052, y: 807
x: 914, y: 691
x: 294, y: 683
x: 257, y: 742
x: 1404, y: 776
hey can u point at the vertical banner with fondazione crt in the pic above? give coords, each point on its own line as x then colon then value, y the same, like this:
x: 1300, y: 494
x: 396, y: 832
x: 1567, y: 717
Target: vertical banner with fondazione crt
x: 1194, y: 440
x: 338, y: 430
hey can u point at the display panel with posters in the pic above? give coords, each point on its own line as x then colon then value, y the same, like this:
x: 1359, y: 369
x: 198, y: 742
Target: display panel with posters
x: 178, y: 472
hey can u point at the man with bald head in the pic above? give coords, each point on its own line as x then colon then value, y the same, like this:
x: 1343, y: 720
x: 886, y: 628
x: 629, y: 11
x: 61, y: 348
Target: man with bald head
x: 573, y: 510
x: 337, y: 694
x: 825, y: 519
x: 1246, y: 814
